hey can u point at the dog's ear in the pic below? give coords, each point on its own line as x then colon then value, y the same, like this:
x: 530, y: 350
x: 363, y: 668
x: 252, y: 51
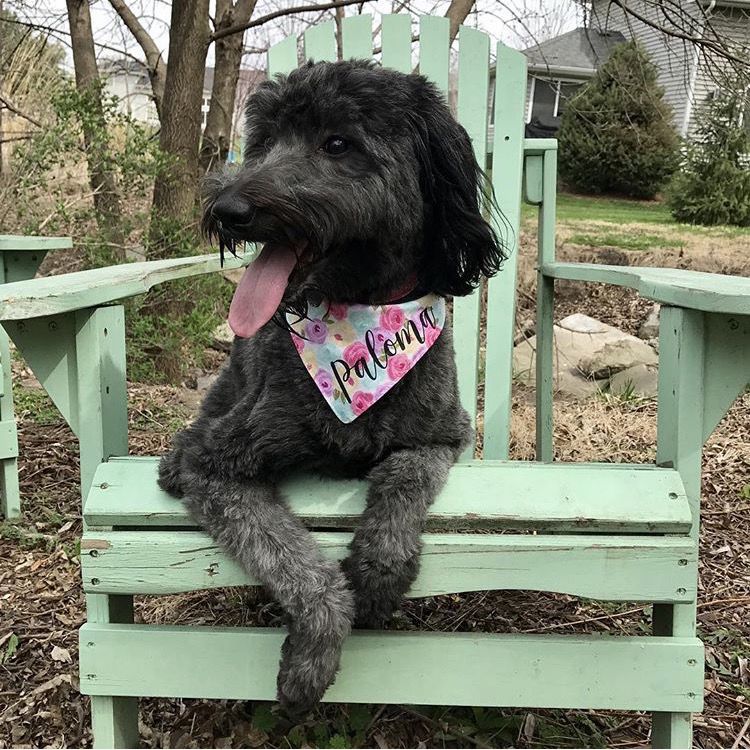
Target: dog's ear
x: 460, y: 246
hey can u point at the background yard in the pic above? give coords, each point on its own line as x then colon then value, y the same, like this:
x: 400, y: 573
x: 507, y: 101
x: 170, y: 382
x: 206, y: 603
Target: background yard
x: 42, y: 604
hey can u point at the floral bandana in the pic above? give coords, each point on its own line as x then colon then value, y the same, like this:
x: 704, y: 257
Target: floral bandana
x: 357, y: 353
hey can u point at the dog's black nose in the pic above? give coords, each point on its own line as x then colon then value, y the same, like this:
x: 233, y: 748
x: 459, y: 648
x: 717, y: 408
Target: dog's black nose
x: 231, y: 209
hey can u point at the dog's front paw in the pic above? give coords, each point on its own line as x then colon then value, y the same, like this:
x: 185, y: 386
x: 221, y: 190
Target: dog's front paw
x: 311, y: 652
x: 378, y: 589
x: 169, y: 473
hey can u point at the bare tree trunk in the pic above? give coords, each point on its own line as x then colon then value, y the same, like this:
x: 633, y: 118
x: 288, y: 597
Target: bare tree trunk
x: 228, y: 58
x: 157, y: 70
x: 456, y: 14
x: 1, y: 90
x: 103, y: 184
x: 176, y: 192
x: 340, y: 15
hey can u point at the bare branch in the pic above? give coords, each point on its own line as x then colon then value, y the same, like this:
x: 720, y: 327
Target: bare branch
x: 14, y: 109
x: 154, y: 60
x: 284, y: 12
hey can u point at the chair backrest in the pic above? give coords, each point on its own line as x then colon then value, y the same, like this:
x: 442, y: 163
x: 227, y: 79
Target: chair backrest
x: 478, y: 365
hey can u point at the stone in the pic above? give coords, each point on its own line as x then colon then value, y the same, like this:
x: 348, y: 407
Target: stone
x: 222, y: 337
x: 640, y: 380
x: 650, y: 327
x: 618, y: 355
x: 577, y: 339
x: 204, y: 382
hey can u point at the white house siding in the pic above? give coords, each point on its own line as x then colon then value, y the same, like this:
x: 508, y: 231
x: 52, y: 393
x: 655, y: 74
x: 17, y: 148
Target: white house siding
x: 675, y: 58
x: 133, y: 99
x: 732, y: 24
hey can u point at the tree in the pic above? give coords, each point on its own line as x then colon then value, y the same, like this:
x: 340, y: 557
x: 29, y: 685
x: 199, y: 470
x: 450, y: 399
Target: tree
x: 103, y: 184
x: 713, y: 186
x: 616, y: 134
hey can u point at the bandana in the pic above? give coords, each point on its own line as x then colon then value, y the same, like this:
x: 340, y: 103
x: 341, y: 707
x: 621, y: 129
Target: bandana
x: 355, y: 354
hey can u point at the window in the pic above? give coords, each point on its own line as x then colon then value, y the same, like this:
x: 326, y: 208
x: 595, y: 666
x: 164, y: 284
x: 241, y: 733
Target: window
x: 549, y: 98
x: 566, y: 90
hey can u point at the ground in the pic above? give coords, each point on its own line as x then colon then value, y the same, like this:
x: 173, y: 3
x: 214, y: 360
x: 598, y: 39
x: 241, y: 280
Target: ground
x: 41, y: 604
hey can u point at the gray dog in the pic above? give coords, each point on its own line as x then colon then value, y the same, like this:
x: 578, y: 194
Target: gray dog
x: 364, y: 190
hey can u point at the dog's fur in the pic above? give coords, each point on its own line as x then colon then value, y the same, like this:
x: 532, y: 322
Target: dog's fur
x: 401, y: 203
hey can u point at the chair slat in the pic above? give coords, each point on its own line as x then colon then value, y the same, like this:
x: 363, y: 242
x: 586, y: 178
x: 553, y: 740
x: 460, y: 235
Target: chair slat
x: 473, y: 89
x: 356, y: 32
x: 434, y: 51
x: 320, y: 42
x: 485, y: 669
x: 395, y: 34
x: 507, y: 167
x: 282, y: 57
x: 481, y: 494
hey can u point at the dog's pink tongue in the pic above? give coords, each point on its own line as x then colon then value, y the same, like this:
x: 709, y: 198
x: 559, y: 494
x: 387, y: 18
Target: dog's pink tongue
x: 260, y: 290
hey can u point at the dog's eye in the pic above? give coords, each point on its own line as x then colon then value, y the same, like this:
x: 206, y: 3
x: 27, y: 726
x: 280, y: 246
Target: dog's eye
x: 336, y: 145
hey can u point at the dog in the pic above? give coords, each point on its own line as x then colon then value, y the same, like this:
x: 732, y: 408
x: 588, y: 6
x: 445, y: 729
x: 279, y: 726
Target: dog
x: 364, y: 191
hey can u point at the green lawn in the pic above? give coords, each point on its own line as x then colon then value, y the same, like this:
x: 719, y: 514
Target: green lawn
x: 617, y: 210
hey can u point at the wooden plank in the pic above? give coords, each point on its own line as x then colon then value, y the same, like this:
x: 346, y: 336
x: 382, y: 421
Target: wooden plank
x: 615, y: 568
x: 434, y: 50
x: 48, y: 347
x: 356, y: 33
x: 727, y: 368
x: 395, y: 33
x: 508, y: 151
x: 282, y: 57
x: 522, y: 494
x: 460, y: 669
x: 29, y: 244
x: 545, y: 308
x: 319, y: 42
x: 473, y: 92
x: 711, y: 292
x: 8, y: 439
x: 53, y: 295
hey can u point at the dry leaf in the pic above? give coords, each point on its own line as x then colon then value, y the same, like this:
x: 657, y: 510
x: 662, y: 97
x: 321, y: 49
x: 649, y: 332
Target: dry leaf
x: 61, y: 654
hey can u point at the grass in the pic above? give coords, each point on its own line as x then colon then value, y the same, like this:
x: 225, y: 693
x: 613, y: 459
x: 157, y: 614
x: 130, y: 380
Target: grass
x: 33, y: 403
x: 632, y: 240
x: 587, y: 208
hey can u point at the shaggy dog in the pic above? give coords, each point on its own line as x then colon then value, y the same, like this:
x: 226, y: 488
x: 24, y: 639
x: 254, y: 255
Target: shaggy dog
x: 364, y: 190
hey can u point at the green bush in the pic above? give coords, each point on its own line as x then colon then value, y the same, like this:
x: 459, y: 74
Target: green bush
x: 713, y: 186
x: 616, y: 134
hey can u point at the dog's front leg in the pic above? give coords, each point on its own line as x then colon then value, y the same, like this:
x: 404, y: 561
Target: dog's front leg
x: 254, y: 525
x: 384, y: 559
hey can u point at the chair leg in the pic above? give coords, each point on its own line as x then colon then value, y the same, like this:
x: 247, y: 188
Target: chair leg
x: 672, y: 730
x: 114, y: 719
x: 10, y: 496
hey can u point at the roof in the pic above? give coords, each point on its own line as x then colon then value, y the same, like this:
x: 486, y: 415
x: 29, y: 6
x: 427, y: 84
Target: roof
x: 580, y: 49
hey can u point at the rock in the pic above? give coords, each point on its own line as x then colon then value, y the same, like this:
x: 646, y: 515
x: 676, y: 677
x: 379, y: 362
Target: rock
x: 525, y: 329
x: 640, y: 380
x: 650, y: 327
x: 618, y: 355
x: 577, y: 339
x: 233, y: 274
x: 222, y: 337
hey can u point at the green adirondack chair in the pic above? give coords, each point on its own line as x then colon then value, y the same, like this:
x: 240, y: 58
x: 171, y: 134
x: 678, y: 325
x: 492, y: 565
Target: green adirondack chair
x: 610, y: 532
x: 20, y: 258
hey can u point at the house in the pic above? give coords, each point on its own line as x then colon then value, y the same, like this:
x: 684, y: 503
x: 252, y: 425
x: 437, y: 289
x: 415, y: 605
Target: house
x: 688, y: 75
x: 558, y: 68
x: 128, y: 81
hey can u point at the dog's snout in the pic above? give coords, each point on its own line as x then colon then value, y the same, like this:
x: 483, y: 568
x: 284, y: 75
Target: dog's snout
x: 231, y: 209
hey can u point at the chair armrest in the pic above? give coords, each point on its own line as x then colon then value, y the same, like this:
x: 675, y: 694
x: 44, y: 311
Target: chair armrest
x: 24, y: 243
x: 53, y: 295
x: 710, y: 292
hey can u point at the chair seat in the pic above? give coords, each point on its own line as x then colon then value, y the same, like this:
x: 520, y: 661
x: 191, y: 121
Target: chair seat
x: 147, y: 544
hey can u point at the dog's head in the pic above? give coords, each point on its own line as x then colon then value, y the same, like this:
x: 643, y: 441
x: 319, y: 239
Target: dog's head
x: 357, y: 179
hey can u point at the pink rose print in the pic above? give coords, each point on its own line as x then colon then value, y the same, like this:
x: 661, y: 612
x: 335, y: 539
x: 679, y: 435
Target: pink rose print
x: 316, y: 331
x: 431, y: 335
x: 361, y: 401
x: 355, y: 352
x: 398, y: 366
x: 392, y: 318
x: 338, y: 311
x: 299, y: 343
x: 324, y: 382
